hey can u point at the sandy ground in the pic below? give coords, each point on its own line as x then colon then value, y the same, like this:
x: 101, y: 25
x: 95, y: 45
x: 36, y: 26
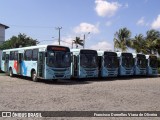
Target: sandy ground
x: 120, y: 94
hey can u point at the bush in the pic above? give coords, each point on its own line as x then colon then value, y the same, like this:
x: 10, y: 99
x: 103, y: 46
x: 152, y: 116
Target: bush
x: 159, y: 70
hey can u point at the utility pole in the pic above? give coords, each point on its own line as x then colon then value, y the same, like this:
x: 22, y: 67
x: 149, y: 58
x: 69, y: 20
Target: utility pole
x: 84, y: 38
x: 59, y: 31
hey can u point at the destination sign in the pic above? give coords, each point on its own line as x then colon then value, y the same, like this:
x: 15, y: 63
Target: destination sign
x: 58, y: 48
x: 110, y: 53
x: 88, y: 52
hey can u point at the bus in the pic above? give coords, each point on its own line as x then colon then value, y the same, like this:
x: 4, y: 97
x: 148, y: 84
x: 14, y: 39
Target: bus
x: 152, y: 65
x: 126, y: 63
x: 140, y: 64
x: 48, y: 62
x: 84, y: 63
x: 108, y: 64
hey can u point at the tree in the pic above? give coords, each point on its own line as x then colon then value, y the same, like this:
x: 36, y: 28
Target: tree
x: 152, y: 41
x: 78, y: 41
x: 138, y: 43
x: 21, y: 40
x: 122, y: 39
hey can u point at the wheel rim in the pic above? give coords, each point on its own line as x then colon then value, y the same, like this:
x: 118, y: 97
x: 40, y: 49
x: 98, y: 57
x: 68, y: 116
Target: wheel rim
x: 34, y: 76
x: 10, y: 73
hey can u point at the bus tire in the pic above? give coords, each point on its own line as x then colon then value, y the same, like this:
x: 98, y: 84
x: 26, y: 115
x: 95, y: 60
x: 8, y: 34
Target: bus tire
x: 34, y: 76
x: 11, y: 72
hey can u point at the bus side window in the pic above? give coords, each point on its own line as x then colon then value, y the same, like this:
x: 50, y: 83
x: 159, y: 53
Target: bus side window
x: 71, y: 57
x: 3, y: 55
x: 16, y: 55
x: 118, y: 62
x: 134, y: 60
x: 75, y: 62
x: 28, y: 55
x: 11, y: 57
x: 99, y: 62
x: 35, y: 55
x: 146, y: 62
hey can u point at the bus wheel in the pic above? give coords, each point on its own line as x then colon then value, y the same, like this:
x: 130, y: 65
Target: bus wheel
x: 10, y: 72
x: 34, y: 76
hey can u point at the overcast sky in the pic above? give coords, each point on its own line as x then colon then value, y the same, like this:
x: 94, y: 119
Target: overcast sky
x: 102, y: 18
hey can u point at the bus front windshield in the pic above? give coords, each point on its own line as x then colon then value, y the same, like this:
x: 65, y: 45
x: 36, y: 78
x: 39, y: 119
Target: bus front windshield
x: 141, y: 62
x: 88, y: 60
x: 153, y: 62
x: 110, y: 61
x: 58, y: 59
x: 127, y: 61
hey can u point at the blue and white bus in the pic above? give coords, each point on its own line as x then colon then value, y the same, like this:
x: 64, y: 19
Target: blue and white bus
x: 108, y: 64
x: 152, y: 65
x: 42, y: 61
x: 140, y: 64
x: 85, y: 64
x: 126, y: 63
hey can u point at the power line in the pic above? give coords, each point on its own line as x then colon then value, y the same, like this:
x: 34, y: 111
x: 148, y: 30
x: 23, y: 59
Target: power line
x: 24, y: 26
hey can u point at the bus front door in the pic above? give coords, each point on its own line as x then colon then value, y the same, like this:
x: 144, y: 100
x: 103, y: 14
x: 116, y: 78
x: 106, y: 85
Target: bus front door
x: 41, y: 59
x: 6, y: 63
x: 19, y: 63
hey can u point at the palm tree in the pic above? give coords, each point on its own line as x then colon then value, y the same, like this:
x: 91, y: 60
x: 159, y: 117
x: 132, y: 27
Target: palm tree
x: 139, y: 44
x: 122, y: 39
x: 78, y: 41
x: 153, y: 41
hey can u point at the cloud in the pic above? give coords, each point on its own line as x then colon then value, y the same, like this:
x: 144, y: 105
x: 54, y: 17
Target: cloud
x: 105, y: 8
x: 142, y: 22
x: 102, y: 46
x: 86, y: 27
x: 65, y: 41
x: 156, y: 23
x: 126, y: 5
x: 108, y: 23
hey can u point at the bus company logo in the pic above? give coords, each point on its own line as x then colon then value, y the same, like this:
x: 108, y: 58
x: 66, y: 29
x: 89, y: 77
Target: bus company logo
x: 6, y: 114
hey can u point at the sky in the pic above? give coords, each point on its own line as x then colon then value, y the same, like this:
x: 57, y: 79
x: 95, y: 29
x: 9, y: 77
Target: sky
x: 98, y: 20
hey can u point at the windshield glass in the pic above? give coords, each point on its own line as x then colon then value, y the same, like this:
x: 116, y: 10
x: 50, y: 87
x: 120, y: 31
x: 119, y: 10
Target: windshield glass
x: 141, y: 62
x: 58, y: 59
x: 153, y: 62
x: 88, y: 60
x: 110, y: 61
x: 127, y: 61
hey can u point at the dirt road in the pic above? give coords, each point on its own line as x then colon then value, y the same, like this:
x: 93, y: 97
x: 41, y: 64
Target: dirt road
x: 135, y: 94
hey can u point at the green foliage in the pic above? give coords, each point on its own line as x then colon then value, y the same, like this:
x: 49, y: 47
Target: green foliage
x: 122, y: 39
x: 78, y: 41
x: 149, y: 44
x: 21, y: 40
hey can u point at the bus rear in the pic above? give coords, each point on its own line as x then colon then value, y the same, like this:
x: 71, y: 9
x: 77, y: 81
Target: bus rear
x: 140, y: 64
x: 108, y: 65
x: 85, y: 64
x: 125, y: 64
x: 152, y: 65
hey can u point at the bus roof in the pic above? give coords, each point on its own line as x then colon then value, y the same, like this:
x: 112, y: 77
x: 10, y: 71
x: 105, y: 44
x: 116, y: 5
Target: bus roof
x: 78, y: 50
x: 120, y: 53
x: 30, y: 47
